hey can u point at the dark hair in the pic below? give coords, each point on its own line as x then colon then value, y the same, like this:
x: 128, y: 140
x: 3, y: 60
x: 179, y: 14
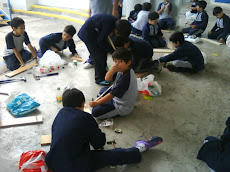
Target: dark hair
x: 16, y: 21
x: 120, y: 41
x: 123, y: 54
x: 70, y: 29
x: 123, y: 27
x: 73, y: 98
x: 138, y: 7
x: 146, y: 6
x: 217, y: 10
x: 202, y: 4
x: 153, y: 16
x: 177, y: 36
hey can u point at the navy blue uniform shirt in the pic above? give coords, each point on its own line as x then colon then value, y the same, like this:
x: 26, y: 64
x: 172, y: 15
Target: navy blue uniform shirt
x: 53, y: 38
x: 73, y: 131
x: 201, y: 20
x: 146, y: 32
x: 187, y: 52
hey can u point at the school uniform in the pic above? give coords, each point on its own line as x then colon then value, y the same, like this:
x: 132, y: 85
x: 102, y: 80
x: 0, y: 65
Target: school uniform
x: 73, y: 131
x: 165, y: 20
x: 124, y: 91
x: 216, y: 152
x: 55, y: 40
x: 153, y: 35
x: 132, y: 15
x: 201, y: 22
x: 142, y: 55
x: 94, y: 33
x: 221, y: 28
x: 16, y: 41
x: 142, y: 19
x: 186, y: 55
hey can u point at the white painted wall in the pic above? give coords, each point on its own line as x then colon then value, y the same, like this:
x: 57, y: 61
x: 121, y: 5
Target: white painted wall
x: 18, y: 4
x: 73, y: 4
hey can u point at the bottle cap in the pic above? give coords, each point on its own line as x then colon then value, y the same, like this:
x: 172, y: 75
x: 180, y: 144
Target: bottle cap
x: 58, y: 88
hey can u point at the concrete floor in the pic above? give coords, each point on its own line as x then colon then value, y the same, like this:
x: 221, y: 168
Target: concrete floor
x: 191, y: 107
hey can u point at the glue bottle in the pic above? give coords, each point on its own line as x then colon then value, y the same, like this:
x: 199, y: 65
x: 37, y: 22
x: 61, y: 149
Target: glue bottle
x: 59, y: 95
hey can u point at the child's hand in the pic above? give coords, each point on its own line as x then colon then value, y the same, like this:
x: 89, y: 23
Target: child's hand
x: 221, y: 40
x: 193, y: 26
x: 163, y: 7
x: 93, y: 103
x: 163, y: 37
x: 22, y: 65
x: 114, y: 68
x: 209, y: 32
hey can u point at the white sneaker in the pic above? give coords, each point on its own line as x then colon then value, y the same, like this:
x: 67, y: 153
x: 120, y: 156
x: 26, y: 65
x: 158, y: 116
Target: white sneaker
x: 87, y: 65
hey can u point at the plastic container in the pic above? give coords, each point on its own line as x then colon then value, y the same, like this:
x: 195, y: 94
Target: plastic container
x: 59, y: 95
x: 45, y: 70
x: 75, y: 62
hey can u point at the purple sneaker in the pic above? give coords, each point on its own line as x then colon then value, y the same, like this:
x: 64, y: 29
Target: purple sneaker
x: 154, y: 141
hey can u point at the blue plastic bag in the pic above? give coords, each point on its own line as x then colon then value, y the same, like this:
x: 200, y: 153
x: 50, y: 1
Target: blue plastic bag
x: 22, y: 105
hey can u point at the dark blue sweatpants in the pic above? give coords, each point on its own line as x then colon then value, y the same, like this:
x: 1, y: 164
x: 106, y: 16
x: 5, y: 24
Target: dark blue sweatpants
x: 118, y: 156
x: 166, y: 23
x: 216, y: 34
x: 157, y: 42
x: 103, y: 108
x: 136, y: 31
x: 12, y: 61
x: 192, y: 31
x: 98, y: 56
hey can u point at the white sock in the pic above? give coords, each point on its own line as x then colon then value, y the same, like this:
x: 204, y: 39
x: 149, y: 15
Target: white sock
x: 141, y: 147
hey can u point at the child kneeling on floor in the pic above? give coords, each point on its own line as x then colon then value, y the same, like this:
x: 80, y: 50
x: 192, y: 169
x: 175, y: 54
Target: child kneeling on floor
x: 186, y: 58
x: 15, y: 55
x: 73, y: 131
x: 122, y: 97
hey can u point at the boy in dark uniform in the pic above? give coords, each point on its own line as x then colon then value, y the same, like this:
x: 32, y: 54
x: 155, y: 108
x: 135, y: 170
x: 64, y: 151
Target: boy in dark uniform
x: 73, y: 131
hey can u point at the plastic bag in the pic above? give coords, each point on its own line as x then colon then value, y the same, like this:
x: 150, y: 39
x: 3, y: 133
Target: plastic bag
x: 21, y: 104
x: 228, y: 41
x: 50, y: 58
x: 33, y: 161
x: 148, y: 86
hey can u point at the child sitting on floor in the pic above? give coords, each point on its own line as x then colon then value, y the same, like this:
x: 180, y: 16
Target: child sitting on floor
x: 133, y: 14
x: 164, y: 10
x: 59, y: 41
x: 221, y: 30
x: 142, y: 19
x: 191, y: 15
x: 215, y: 152
x: 15, y: 55
x: 152, y: 32
x: 186, y: 58
x: 122, y: 97
x: 201, y: 21
x: 73, y: 131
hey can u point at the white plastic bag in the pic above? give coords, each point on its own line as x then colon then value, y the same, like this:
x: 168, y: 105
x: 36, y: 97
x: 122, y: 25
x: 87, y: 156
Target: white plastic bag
x: 50, y: 58
x: 228, y: 41
x: 148, y: 86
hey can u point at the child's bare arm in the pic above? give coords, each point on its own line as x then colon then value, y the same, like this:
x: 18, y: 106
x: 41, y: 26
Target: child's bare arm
x: 168, y: 9
x: 17, y: 54
x: 102, y: 100
x: 54, y: 49
x: 31, y: 48
x: 109, y: 74
x: 161, y: 10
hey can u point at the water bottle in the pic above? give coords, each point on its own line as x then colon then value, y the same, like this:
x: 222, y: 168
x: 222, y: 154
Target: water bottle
x: 59, y: 95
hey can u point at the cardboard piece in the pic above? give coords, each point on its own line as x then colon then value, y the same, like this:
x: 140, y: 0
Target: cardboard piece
x: 45, y: 140
x: 20, y: 70
x: 139, y: 75
x: 211, y: 41
x: 162, y: 50
x: 78, y: 59
x: 21, y: 121
x: 86, y: 109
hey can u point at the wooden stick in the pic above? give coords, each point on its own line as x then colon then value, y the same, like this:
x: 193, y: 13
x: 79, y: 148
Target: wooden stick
x: 104, y: 93
x: 78, y: 59
x: 111, y: 43
x: 45, y: 140
x: 211, y: 41
x: 21, y: 121
x: 162, y: 50
x: 4, y: 94
x: 20, y: 70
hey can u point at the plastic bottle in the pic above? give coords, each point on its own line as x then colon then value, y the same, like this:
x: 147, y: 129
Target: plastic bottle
x: 59, y: 95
